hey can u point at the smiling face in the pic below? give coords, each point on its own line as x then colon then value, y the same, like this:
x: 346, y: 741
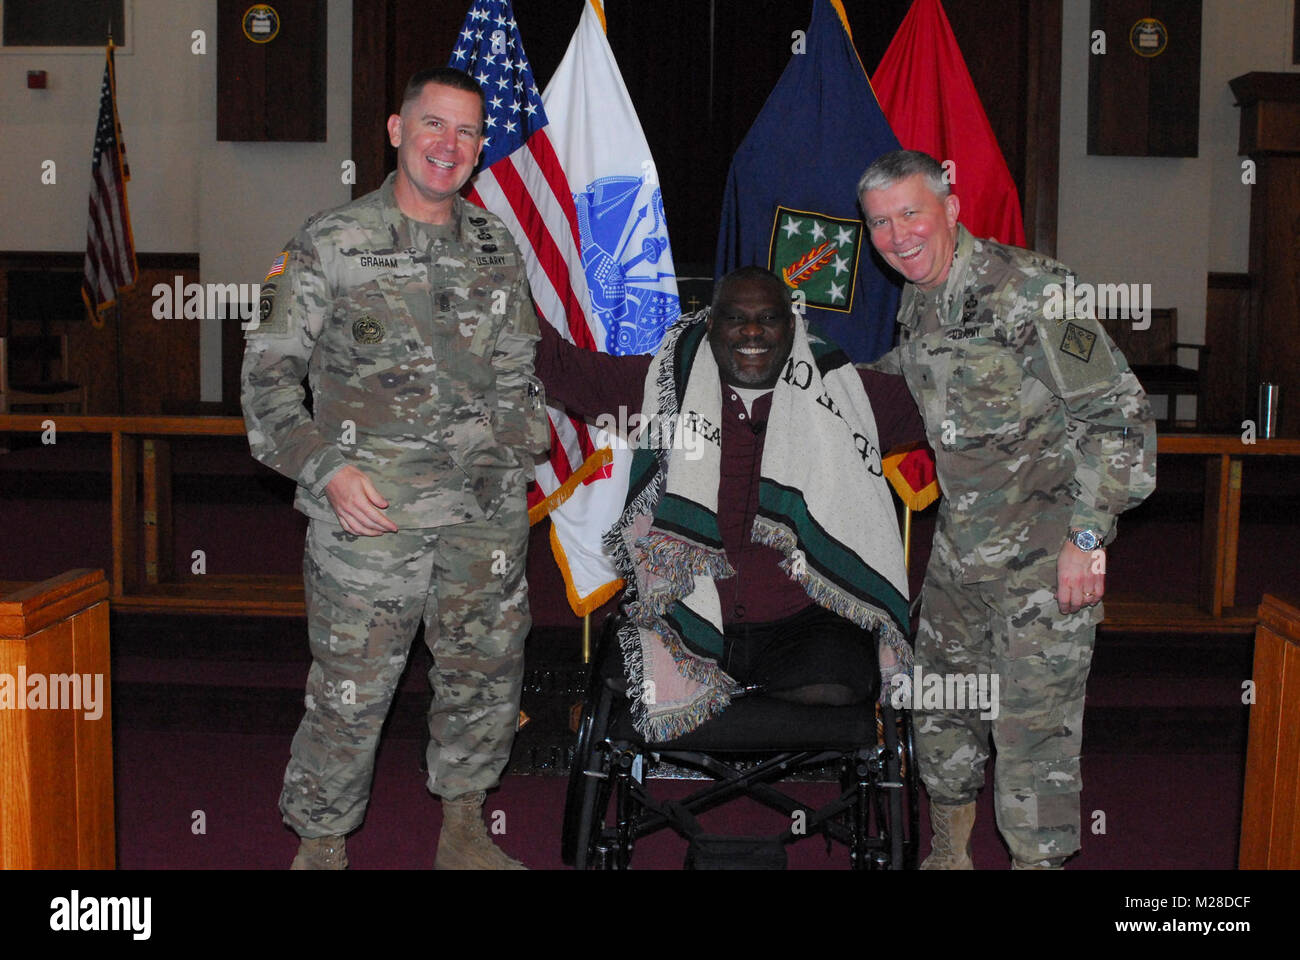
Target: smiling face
x: 751, y: 330
x: 914, y: 229
x: 438, y: 137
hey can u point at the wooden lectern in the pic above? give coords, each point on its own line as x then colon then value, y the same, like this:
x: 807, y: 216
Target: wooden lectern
x: 56, y: 738
x: 1270, y: 813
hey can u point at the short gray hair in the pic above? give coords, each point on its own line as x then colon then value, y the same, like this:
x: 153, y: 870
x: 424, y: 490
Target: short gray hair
x: 889, y: 168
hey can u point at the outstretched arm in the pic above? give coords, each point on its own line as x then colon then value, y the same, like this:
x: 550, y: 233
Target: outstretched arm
x: 589, y: 383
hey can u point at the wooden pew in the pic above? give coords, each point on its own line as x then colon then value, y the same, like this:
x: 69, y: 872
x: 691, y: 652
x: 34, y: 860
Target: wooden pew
x: 1270, y: 814
x: 56, y: 758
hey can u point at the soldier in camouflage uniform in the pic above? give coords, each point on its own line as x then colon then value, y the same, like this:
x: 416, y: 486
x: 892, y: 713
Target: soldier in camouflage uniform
x: 1042, y: 436
x: 409, y: 313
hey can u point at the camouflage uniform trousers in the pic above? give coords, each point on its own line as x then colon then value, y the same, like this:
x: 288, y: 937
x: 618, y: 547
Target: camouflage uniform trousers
x: 365, y: 599
x: 1011, y: 628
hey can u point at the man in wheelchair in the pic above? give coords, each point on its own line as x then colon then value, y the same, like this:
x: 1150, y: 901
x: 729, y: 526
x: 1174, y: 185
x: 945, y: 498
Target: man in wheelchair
x: 759, y: 542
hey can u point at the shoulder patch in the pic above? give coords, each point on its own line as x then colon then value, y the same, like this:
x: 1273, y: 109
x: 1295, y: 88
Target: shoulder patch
x: 1078, y: 353
x: 1078, y: 342
x: 272, y: 316
x: 277, y: 265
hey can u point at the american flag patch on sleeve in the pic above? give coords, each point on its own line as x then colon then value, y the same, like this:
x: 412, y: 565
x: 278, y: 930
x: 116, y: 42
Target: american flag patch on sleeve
x: 277, y: 265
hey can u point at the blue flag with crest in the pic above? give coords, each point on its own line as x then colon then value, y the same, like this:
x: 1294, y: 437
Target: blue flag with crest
x: 790, y: 202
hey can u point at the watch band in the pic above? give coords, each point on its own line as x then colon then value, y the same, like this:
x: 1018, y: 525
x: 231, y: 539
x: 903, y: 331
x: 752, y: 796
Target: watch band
x: 1085, y: 539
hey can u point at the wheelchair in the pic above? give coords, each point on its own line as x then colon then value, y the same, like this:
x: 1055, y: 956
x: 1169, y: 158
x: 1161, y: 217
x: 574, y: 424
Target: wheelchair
x: 755, y: 742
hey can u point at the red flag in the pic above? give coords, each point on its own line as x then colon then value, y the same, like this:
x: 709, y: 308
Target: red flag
x: 110, y: 248
x: 910, y: 470
x: 927, y: 94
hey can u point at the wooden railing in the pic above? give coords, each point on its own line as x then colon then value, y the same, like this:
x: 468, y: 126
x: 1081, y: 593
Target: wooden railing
x: 1215, y: 610
x: 144, y: 576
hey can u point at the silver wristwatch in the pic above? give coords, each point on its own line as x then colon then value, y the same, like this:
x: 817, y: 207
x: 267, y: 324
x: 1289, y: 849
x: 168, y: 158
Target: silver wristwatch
x: 1085, y: 539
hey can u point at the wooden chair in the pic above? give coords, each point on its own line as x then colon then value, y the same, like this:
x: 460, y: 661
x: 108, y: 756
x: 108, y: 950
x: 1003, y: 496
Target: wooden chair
x: 31, y: 383
x: 1153, y: 355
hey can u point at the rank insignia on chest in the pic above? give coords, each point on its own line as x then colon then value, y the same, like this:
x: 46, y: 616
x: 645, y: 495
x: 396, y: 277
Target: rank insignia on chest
x: 969, y: 308
x: 367, y: 330
x: 1078, y: 342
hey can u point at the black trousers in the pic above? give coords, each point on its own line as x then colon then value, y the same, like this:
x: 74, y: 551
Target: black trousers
x: 813, y: 649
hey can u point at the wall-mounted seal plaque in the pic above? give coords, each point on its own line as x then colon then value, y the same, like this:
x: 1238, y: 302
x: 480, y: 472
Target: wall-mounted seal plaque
x: 1144, y: 78
x: 271, y: 90
x: 261, y: 23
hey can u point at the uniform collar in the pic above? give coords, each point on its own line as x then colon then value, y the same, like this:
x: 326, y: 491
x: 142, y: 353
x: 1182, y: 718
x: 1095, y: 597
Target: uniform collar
x: 399, y: 224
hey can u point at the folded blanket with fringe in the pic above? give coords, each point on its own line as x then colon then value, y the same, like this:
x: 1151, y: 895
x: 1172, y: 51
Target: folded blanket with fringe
x: 823, y: 503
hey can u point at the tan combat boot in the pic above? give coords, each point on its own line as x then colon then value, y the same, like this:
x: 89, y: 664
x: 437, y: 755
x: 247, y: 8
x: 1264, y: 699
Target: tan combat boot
x: 464, y: 843
x: 950, y: 846
x: 321, y: 853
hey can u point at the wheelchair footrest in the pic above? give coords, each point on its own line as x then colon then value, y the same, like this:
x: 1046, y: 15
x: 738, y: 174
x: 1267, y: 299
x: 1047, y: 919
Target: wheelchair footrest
x: 721, y: 852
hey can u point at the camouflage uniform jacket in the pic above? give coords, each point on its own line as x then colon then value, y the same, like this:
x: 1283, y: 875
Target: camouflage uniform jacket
x: 1037, y: 423
x: 417, y: 341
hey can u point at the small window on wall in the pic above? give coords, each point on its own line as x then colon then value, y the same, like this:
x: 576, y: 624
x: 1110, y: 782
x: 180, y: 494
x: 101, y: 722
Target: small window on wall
x: 63, y: 26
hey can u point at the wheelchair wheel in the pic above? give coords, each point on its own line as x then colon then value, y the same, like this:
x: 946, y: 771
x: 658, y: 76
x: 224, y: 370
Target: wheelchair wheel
x: 885, y: 816
x: 587, y: 796
x: 912, y: 777
x: 893, y: 798
x: 590, y: 776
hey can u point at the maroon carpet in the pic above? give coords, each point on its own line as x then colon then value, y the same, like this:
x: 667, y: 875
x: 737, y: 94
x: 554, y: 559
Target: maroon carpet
x: 203, y: 721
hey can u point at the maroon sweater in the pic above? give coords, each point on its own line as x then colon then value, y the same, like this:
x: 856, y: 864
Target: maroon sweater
x: 591, y: 383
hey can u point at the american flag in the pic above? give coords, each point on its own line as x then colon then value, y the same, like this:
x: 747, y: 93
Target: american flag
x: 110, y: 248
x: 522, y: 182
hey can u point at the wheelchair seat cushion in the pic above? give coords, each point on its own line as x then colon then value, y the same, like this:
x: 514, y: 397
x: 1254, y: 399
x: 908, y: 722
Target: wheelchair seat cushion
x: 759, y: 724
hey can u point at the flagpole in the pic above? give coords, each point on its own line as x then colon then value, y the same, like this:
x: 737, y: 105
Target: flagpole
x: 110, y: 264
x: 117, y: 300
x: 907, y: 538
x: 586, y: 638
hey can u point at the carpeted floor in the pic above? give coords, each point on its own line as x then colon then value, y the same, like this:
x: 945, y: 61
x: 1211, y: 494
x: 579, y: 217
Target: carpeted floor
x: 204, y: 707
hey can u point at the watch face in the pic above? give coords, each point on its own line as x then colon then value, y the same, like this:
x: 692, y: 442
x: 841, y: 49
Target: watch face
x: 1085, y: 540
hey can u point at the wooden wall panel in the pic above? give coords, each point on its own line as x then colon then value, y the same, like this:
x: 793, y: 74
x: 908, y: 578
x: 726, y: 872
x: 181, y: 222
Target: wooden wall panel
x: 160, y: 357
x: 1275, y: 261
x: 1145, y: 106
x: 1042, y: 131
x: 274, y: 90
x: 1227, y: 318
x: 156, y: 367
x: 371, y: 96
x: 391, y: 39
